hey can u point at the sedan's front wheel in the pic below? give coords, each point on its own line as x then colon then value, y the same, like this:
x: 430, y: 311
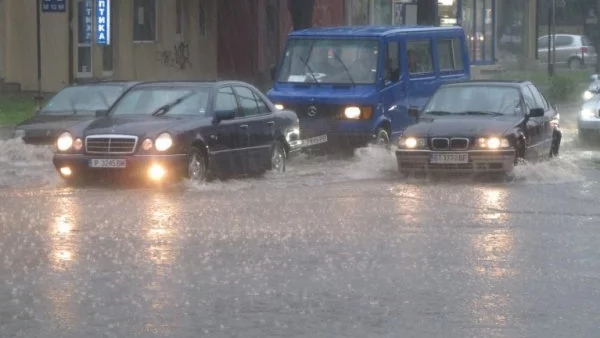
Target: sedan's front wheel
x: 197, y: 165
x: 278, y: 157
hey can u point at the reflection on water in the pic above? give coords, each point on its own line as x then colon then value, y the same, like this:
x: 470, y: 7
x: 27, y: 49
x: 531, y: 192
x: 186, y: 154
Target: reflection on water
x: 493, y: 201
x: 493, y: 252
x: 63, y: 245
x: 410, y: 205
x: 161, y: 210
x: 491, y: 309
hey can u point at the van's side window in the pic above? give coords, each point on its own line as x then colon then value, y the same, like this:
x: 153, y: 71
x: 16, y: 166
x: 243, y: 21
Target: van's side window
x: 450, y: 55
x: 419, y: 55
x: 392, y: 67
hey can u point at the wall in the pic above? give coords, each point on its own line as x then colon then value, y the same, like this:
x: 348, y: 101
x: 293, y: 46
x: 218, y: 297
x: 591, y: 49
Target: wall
x: 2, y: 37
x: 141, y: 61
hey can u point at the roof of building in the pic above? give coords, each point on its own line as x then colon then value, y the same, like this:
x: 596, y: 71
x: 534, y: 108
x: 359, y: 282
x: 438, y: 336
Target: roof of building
x: 371, y: 31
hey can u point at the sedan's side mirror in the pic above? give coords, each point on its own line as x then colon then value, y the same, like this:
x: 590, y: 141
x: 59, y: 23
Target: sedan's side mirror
x: 101, y: 112
x: 273, y: 73
x: 536, y: 112
x: 221, y: 115
x: 414, y: 112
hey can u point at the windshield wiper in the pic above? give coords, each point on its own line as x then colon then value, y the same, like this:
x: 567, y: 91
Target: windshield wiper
x: 312, y: 72
x: 438, y: 112
x: 337, y: 57
x: 482, y: 113
x: 162, y: 110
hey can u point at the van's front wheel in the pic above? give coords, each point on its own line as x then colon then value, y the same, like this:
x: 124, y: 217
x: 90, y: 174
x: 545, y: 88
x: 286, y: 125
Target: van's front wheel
x: 382, y: 137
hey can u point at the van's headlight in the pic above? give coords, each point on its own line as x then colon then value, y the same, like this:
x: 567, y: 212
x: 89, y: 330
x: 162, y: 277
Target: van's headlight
x: 64, y: 141
x: 492, y: 143
x: 412, y: 142
x: 355, y: 113
x: 352, y: 113
x: 163, y: 142
x: 587, y: 95
x: 278, y: 106
x: 587, y: 113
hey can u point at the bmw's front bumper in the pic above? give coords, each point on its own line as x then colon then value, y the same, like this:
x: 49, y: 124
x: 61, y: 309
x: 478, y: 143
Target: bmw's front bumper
x: 479, y: 161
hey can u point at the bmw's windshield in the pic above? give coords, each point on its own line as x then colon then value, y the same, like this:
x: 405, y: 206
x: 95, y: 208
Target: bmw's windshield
x: 474, y: 99
x: 335, y: 61
x: 82, y: 100
x: 147, y: 100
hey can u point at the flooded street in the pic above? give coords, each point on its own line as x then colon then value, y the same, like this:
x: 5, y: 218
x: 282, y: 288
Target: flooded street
x: 333, y: 248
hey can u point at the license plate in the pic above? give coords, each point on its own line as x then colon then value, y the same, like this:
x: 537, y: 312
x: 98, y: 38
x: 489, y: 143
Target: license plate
x: 314, y: 140
x: 107, y: 163
x: 442, y: 158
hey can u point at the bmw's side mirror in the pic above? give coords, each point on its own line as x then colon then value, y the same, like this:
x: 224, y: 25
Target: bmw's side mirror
x: 536, y: 112
x: 101, y: 112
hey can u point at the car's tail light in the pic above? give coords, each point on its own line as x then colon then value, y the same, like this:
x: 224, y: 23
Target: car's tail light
x: 583, y: 49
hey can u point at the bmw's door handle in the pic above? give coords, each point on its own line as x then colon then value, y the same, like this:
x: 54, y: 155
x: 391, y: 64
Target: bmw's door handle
x: 244, y: 126
x: 271, y: 123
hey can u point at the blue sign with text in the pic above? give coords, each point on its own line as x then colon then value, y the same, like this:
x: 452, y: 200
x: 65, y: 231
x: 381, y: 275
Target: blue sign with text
x: 103, y: 22
x: 54, y: 6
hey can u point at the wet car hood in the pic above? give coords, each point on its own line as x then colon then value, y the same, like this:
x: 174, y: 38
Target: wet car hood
x: 52, y: 122
x: 467, y: 126
x: 141, y: 126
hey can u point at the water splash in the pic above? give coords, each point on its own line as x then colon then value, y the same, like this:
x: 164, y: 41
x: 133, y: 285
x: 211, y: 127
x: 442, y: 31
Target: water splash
x: 23, y: 165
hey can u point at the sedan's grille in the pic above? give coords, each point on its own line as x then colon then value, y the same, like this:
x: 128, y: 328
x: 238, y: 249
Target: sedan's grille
x: 459, y: 143
x: 110, y: 144
x: 440, y: 143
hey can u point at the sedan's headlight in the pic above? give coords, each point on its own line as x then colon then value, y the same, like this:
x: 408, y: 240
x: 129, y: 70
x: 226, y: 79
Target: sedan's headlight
x: 278, y: 106
x: 163, y: 142
x: 587, y: 95
x: 19, y: 133
x: 64, y: 141
x: 412, y: 142
x: 587, y: 113
x: 493, y: 143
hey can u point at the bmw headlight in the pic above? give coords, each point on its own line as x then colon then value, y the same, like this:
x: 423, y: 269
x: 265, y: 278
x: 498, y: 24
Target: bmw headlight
x: 278, y: 106
x: 587, y: 95
x: 19, y: 133
x: 493, y: 143
x: 64, y: 141
x: 587, y: 113
x: 292, y: 134
x: 412, y: 142
x: 163, y: 142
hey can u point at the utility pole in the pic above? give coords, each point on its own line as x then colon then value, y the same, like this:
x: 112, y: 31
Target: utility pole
x: 596, y: 38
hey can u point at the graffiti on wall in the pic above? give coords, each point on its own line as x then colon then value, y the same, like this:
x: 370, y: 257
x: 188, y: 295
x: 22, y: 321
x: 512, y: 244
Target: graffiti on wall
x: 178, y: 57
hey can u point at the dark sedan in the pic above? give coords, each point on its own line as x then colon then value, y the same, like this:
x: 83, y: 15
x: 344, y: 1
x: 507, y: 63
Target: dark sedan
x: 168, y: 130
x: 69, y: 106
x: 480, y: 127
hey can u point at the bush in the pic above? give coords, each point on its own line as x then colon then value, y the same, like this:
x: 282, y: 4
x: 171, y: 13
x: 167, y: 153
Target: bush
x: 561, y: 88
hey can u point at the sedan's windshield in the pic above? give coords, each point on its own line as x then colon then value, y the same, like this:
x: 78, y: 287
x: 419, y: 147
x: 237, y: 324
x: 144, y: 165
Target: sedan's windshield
x: 474, y: 100
x: 146, y: 101
x: 82, y: 100
x: 348, y: 61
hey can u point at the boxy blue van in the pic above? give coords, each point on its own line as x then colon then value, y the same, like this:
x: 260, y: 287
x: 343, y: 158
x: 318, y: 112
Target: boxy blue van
x: 351, y: 86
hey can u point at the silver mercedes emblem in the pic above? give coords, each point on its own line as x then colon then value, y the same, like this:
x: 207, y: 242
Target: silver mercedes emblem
x: 312, y: 111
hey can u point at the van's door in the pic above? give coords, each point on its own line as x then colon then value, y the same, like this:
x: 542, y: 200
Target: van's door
x: 422, y: 80
x: 393, y: 95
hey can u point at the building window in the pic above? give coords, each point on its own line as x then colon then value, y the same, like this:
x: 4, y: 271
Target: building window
x: 382, y: 12
x: 478, y: 23
x: 358, y: 12
x: 448, y: 12
x: 202, y: 18
x: 144, y: 20
x: 179, y: 17
x: 450, y: 55
x: 419, y: 54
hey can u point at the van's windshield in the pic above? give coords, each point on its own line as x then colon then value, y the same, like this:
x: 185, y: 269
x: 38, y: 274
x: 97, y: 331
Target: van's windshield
x: 335, y: 61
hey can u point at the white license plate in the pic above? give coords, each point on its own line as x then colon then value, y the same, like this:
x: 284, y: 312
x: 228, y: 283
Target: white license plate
x: 442, y: 158
x: 314, y: 140
x: 107, y: 163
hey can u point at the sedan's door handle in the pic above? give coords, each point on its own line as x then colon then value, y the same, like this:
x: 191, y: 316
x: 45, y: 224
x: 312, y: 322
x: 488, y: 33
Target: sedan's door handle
x: 271, y: 123
x: 244, y: 126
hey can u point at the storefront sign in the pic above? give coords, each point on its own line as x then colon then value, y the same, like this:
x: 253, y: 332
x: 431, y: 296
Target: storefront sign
x: 103, y: 22
x: 54, y: 6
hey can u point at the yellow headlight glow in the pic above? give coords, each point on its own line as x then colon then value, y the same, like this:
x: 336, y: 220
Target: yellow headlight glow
x: 493, y: 143
x: 352, y: 112
x: 278, y: 106
x: 410, y: 142
x: 587, y: 95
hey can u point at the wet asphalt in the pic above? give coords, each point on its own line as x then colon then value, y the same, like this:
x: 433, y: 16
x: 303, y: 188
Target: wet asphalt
x: 333, y: 248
